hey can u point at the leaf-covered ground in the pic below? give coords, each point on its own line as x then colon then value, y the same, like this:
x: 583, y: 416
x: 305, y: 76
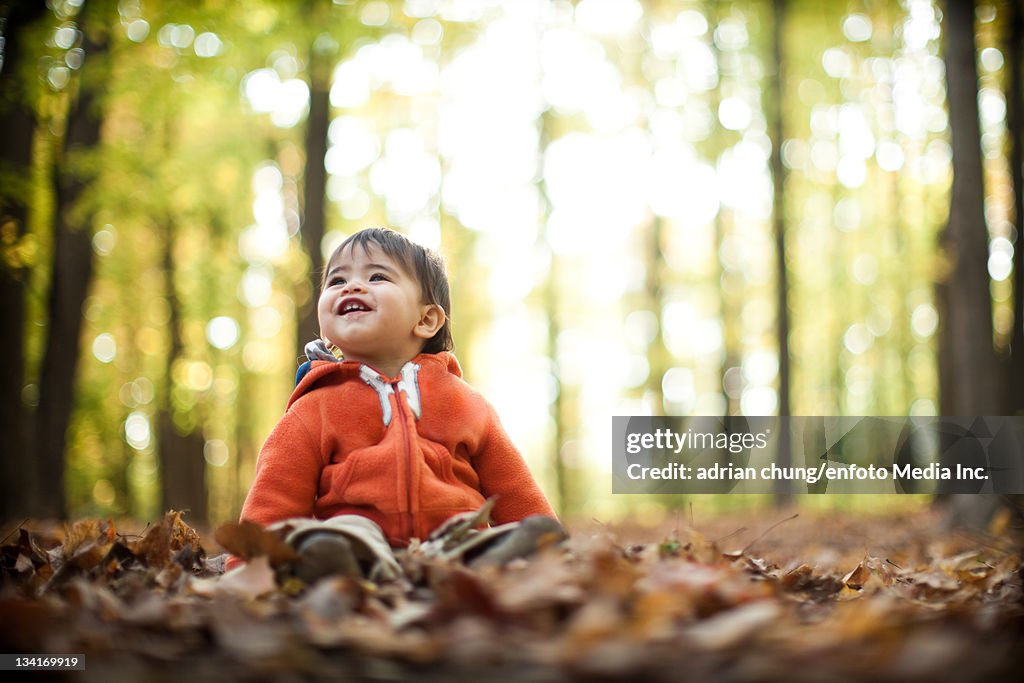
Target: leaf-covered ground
x: 815, y: 598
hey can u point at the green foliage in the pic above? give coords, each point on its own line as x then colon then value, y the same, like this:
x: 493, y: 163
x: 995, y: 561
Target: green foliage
x: 190, y: 167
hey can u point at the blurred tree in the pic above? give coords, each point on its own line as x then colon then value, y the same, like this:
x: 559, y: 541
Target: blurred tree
x: 201, y: 223
x: 552, y: 305
x: 1015, y: 131
x: 321, y: 56
x: 182, y: 465
x: 17, y: 128
x: 71, y: 267
x: 563, y: 493
x: 729, y: 306
x: 657, y: 274
x: 658, y: 356
x: 969, y: 378
x: 175, y: 176
x: 970, y: 374
x: 776, y: 131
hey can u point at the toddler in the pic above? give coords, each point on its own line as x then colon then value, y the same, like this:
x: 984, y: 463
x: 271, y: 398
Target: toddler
x: 388, y: 443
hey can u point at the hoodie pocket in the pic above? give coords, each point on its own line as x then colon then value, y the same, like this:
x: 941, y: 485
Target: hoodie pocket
x: 438, y: 460
x: 338, y: 475
x: 366, y: 477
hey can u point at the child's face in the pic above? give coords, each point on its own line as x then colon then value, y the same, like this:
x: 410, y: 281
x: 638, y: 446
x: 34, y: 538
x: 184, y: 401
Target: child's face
x: 373, y: 310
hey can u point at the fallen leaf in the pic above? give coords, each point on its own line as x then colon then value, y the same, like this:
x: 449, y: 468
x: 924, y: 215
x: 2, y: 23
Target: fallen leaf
x: 731, y: 627
x: 249, y: 581
x: 857, y: 577
x: 249, y: 540
x: 838, y: 597
x: 166, y: 539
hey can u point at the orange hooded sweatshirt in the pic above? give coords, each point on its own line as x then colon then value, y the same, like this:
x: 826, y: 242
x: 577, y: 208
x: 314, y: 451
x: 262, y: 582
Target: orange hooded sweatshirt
x: 407, y: 452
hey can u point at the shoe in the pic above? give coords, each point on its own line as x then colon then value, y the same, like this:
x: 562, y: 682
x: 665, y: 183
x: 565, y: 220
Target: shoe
x: 532, y: 534
x: 326, y: 554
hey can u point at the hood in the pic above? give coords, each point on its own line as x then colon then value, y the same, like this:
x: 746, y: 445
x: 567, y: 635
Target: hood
x: 325, y: 373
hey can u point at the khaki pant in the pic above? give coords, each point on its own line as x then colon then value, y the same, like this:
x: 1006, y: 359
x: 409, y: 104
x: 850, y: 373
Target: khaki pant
x: 372, y: 548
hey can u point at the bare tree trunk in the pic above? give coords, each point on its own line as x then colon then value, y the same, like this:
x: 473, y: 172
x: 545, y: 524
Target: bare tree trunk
x: 72, y: 274
x: 182, y: 463
x: 17, y: 123
x: 657, y: 354
x: 183, y: 467
x: 315, y: 186
x: 971, y: 381
x: 551, y: 304
x: 1015, y: 130
x: 563, y: 496
x: 776, y: 132
x: 726, y: 312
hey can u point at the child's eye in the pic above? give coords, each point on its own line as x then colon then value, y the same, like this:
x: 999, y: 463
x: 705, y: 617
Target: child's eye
x: 378, y: 277
x: 335, y: 281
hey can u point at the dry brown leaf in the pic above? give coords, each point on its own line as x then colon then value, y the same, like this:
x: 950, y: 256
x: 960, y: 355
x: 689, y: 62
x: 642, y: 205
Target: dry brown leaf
x: 595, y: 610
x: 182, y: 535
x: 246, y: 636
x: 153, y: 549
x: 600, y: 619
x: 410, y: 614
x: 28, y: 548
x: 548, y: 582
x: 857, y: 577
x: 658, y: 615
x: 933, y: 585
x: 250, y: 581
x: 376, y: 638
x: 97, y: 599
x: 150, y: 609
x: 700, y: 549
x: 797, y: 577
x: 461, y: 591
x: 164, y: 540
x: 884, y: 571
x: 611, y: 574
x: 731, y: 627
x: 80, y: 533
x: 248, y: 540
x: 86, y: 544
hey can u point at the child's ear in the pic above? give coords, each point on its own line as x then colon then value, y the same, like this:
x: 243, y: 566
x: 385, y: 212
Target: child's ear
x: 430, y: 321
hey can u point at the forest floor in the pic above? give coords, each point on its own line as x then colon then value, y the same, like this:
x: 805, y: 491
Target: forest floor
x: 749, y: 597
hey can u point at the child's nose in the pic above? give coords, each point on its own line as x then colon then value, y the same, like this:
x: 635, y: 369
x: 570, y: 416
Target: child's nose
x: 353, y: 285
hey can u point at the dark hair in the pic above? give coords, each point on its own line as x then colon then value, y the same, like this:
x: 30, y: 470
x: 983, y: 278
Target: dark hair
x: 424, y: 264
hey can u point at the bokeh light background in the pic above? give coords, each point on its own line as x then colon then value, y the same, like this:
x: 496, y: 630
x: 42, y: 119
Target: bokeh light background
x: 597, y: 175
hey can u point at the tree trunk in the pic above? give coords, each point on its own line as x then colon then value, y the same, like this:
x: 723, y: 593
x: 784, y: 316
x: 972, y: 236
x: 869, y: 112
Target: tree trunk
x: 182, y: 463
x: 72, y: 274
x: 1015, y: 130
x: 969, y: 381
x: 564, y: 499
x: 18, y: 122
x: 658, y: 358
x: 776, y: 132
x: 183, y: 467
x: 315, y: 187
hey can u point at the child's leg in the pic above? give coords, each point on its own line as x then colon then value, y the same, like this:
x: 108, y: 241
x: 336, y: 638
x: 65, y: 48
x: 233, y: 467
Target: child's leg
x: 325, y: 553
x: 347, y: 545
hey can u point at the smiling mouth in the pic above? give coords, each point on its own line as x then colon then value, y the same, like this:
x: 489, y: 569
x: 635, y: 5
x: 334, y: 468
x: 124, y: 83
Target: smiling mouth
x: 348, y: 306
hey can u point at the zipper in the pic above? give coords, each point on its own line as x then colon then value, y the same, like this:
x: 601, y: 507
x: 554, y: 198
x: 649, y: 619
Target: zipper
x: 404, y: 419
